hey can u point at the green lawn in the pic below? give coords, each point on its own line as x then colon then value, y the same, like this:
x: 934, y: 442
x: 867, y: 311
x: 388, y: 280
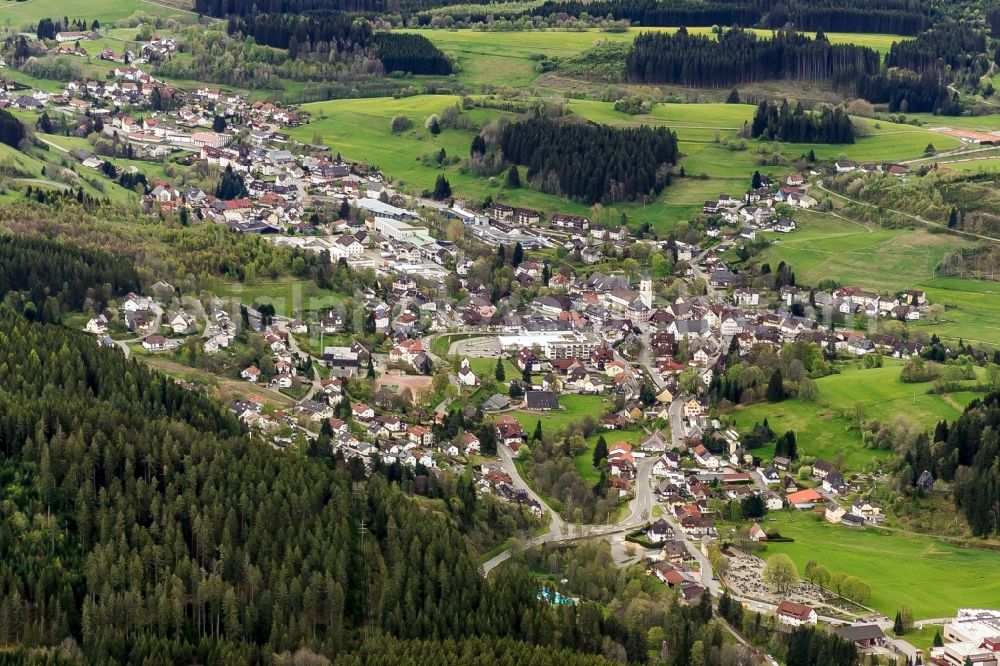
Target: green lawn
x: 290, y: 297
x: 827, y: 247
x: 932, y: 577
x: 821, y: 428
x: 972, y: 309
x: 17, y: 14
x: 575, y: 407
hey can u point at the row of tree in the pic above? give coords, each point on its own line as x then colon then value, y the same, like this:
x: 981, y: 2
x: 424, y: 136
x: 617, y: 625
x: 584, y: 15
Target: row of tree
x: 591, y: 163
x: 739, y: 56
x: 903, y: 91
x: 952, y: 44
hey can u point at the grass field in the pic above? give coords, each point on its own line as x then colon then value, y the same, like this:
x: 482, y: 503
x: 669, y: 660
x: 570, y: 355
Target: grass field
x: 496, y: 59
x: 16, y: 14
x: 585, y: 461
x: 932, y: 577
x: 972, y: 309
x: 828, y: 247
x: 289, y: 297
x: 821, y: 428
x: 575, y: 407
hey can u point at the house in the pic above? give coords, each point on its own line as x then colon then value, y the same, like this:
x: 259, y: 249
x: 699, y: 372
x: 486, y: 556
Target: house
x: 496, y: 403
x: 834, y: 512
x: 420, y: 435
x: 97, y: 325
x: 362, y: 412
x: 804, y: 499
x: 757, y: 533
x: 769, y: 475
x: 794, y: 614
x: 155, y: 342
x: 660, y: 531
x: 862, y: 635
x: 925, y: 481
x: 670, y: 460
x: 251, y: 374
x: 867, y: 510
x: 540, y: 400
x: 509, y: 431
x: 822, y: 468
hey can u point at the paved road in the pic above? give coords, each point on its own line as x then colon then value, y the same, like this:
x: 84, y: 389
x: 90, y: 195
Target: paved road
x: 559, y: 531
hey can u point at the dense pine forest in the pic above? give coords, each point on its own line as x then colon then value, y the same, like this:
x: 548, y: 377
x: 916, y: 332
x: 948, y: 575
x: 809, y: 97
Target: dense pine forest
x: 903, y: 92
x: 953, y: 45
x: 139, y: 523
x: 965, y: 453
x: 400, y: 52
x: 591, y: 163
x: 739, y: 56
x: 772, y: 122
x: 46, y: 278
x: 328, y: 31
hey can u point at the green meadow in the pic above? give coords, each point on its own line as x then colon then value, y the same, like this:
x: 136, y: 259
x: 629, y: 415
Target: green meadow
x: 17, y: 14
x: 829, y: 247
x: 574, y: 408
x: 822, y: 429
x: 495, y: 59
x: 932, y: 577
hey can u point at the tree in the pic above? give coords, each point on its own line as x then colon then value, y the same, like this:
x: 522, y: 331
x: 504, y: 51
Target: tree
x: 219, y: 124
x: 442, y: 188
x: 45, y: 124
x: 780, y: 573
x: 441, y: 157
x: 478, y: 146
x: 499, y: 372
x: 537, y: 435
x: 231, y: 185
x: 513, y: 180
x: 930, y: 150
x: 600, y: 451
x: 517, y: 256
x: 897, y: 625
x: 433, y: 124
x: 755, y: 180
x: 733, y: 97
x: 399, y: 124
x: 937, y: 639
x: 775, y: 387
x: 953, y: 218
x: 526, y: 374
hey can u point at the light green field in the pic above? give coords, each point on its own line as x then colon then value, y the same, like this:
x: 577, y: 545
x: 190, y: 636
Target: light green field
x: 505, y: 58
x: 932, y: 577
x: 359, y: 130
x: 821, y: 428
x: 575, y: 408
x: 290, y: 297
x: 972, y: 309
x: 987, y: 123
x: 827, y: 247
x: 15, y: 14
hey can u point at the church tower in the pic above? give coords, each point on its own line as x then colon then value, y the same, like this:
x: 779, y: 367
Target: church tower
x: 646, y: 291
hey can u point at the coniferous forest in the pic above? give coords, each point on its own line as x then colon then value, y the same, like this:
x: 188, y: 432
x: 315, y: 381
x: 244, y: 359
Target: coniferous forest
x: 773, y: 122
x: 738, y: 56
x: 141, y: 523
x: 341, y: 32
x: 965, y: 453
x: 591, y: 163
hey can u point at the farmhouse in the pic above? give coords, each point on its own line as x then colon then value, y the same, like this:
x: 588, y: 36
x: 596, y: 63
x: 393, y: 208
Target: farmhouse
x: 795, y: 614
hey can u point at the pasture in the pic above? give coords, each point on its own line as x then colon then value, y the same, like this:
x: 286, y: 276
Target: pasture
x: 574, y: 408
x: 822, y: 429
x: 972, y: 309
x: 20, y: 14
x: 931, y: 576
x: 495, y: 59
x: 829, y: 247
